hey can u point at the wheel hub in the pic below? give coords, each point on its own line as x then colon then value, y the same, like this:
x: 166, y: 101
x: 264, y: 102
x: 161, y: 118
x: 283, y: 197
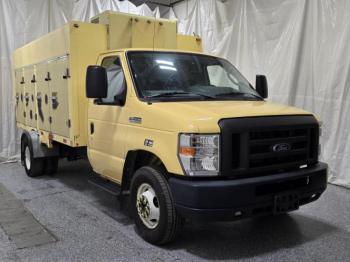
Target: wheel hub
x: 143, y: 206
x: 147, y: 206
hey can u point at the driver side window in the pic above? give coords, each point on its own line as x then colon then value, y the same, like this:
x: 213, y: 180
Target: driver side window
x: 116, y: 80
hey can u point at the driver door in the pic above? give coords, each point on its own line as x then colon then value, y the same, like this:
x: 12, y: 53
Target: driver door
x: 105, y: 123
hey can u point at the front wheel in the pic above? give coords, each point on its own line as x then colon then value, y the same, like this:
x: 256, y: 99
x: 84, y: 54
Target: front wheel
x: 152, y: 207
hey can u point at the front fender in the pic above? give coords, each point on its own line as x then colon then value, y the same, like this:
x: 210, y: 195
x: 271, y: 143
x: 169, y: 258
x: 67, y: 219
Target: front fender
x: 163, y: 144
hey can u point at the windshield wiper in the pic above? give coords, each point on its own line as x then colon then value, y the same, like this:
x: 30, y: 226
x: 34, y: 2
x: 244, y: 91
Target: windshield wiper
x: 174, y: 93
x: 238, y: 94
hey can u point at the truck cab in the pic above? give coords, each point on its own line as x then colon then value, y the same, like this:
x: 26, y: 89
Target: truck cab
x: 187, y: 136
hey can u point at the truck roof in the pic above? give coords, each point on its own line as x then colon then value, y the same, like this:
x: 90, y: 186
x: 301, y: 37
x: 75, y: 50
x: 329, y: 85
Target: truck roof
x: 155, y: 50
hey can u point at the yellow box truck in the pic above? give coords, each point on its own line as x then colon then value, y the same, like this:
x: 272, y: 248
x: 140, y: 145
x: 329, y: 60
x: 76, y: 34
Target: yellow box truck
x: 175, y: 133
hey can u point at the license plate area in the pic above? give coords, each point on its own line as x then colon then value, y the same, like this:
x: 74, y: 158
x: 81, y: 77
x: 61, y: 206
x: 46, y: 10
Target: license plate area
x: 286, y: 202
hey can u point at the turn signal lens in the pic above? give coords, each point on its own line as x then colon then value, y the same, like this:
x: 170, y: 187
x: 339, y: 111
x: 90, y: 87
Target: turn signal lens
x: 187, y: 151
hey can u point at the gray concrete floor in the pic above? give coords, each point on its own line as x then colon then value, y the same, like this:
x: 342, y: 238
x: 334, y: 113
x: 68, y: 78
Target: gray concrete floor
x: 89, y: 227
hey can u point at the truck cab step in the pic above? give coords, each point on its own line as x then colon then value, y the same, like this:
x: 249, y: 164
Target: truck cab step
x: 105, y: 184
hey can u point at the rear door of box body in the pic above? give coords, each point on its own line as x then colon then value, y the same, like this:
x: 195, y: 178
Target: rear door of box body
x: 59, y: 105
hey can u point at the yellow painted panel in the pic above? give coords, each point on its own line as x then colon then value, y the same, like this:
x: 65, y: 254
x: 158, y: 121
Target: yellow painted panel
x: 165, y: 34
x: 118, y: 28
x: 164, y: 145
x: 106, y: 151
x: 142, y: 32
x: 107, y: 148
x: 189, y: 43
x: 19, y: 96
x: 85, y: 50
x: 42, y: 96
x: 119, y: 31
x: 55, y: 43
x: 135, y: 31
x: 83, y: 42
x: 59, y: 107
x: 29, y: 93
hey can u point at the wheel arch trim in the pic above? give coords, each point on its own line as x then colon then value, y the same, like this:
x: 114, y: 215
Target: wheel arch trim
x: 130, y: 164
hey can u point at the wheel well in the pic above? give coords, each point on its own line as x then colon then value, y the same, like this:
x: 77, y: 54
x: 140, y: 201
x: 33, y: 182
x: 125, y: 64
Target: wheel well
x: 38, y: 150
x: 136, y: 159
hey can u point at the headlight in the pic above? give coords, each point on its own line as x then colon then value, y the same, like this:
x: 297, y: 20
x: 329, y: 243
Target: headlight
x: 199, y: 154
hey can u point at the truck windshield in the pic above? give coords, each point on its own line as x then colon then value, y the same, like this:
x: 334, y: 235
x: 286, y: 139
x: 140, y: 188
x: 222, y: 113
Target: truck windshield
x: 186, y: 76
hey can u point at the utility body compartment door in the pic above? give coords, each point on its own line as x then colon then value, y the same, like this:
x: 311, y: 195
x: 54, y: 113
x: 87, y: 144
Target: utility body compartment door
x: 29, y: 94
x: 19, y: 96
x: 42, y: 96
x: 58, y: 100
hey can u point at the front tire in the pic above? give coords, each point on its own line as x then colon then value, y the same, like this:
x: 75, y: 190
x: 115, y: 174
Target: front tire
x: 33, y: 166
x: 152, y: 207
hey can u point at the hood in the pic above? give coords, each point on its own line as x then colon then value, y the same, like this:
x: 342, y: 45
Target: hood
x: 203, y: 116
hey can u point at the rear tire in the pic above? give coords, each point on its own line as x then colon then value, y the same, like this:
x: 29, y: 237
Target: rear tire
x: 33, y: 166
x: 149, y: 191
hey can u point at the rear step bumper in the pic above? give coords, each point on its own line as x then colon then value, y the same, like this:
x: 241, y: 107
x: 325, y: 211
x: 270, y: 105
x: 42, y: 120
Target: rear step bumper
x: 238, y: 198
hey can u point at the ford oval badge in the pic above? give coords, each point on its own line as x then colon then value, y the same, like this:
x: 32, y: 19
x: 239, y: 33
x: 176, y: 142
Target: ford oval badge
x: 281, y: 147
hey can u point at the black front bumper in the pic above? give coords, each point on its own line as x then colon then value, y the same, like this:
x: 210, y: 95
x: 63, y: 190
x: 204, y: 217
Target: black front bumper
x: 238, y: 198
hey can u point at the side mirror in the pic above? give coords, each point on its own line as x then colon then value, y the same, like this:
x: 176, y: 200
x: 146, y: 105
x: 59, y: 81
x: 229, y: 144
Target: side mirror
x: 96, y: 82
x: 261, y: 86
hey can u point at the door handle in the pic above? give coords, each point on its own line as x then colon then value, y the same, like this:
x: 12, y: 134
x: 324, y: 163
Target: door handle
x: 39, y: 100
x: 67, y: 75
x: 92, y: 128
x: 48, y: 77
x: 54, y: 102
x: 26, y: 98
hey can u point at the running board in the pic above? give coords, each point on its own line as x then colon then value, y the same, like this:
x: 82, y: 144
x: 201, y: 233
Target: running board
x: 106, y: 185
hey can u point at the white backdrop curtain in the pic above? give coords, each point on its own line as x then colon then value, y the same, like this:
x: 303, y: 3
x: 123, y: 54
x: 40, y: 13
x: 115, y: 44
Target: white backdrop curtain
x: 303, y: 48
x: 301, y: 45
x: 21, y: 21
